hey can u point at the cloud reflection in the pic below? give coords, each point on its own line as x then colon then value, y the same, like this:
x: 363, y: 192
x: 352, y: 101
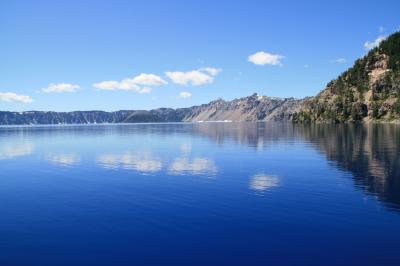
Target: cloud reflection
x: 195, y: 166
x: 261, y: 182
x: 63, y: 159
x: 11, y: 151
x: 186, y: 148
x: 129, y: 161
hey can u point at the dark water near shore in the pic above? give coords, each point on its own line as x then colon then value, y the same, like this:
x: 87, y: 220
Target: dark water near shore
x: 200, y: 194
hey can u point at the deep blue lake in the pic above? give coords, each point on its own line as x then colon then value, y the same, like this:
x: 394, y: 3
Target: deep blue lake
x: 200, y: 194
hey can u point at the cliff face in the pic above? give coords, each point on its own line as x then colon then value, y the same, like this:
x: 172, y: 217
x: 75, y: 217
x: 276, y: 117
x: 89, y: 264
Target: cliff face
x: 79, y: 117
x: 252, y: 108
x: 369, y: 91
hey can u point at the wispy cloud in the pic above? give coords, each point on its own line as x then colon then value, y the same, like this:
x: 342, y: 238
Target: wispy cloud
x: 149, y: 80
x: 211, y: 70
x: 60, y: 87
x: 13, y: 97
x: 265, y: 58
x: 340, y: 60
x: 370, y: 45
x: 197, y: 77
x: 185, y: 94
x: 133, y: 84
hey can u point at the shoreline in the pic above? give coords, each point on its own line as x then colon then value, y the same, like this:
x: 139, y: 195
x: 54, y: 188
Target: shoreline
x: 395, y: 122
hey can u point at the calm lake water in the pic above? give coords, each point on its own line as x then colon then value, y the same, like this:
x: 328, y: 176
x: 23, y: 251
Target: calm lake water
x: 200, y: 194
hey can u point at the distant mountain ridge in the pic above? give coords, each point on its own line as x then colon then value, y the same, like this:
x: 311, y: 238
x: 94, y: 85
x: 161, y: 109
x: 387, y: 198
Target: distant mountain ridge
x: 368, y: 91
x: 251, y: 108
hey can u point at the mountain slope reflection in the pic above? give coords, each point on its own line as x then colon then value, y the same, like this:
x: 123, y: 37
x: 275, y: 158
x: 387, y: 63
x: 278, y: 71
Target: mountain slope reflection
x: 370, y: 152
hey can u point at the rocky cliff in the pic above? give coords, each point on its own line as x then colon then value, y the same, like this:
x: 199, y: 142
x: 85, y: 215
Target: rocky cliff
x: 252, y: 108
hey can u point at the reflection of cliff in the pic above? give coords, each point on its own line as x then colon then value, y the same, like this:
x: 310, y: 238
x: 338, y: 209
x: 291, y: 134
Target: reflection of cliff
x: 256, y: 135
x: 370, y: 152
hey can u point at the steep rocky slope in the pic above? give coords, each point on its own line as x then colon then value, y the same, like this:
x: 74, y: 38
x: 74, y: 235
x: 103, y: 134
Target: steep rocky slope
x: 369, y: 91
x: 252, y: 108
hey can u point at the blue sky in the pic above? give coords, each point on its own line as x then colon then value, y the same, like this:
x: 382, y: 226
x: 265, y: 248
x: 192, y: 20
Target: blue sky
x: 89, y: 55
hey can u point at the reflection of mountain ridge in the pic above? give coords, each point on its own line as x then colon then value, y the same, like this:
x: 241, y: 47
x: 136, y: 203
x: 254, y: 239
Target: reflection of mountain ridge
x: 370, y: 152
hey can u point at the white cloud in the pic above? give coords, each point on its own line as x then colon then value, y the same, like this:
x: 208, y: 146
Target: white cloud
x: 264, y: 58
x: 133, y: 84
x: 340, y: 60
x: 185, y: 94
x: 13, y: 97
x: 107, y: 85
x: 125, y: 84
x: 145, y: 90
x: 370, y: 45
x: 381, y: 29
x: 149, y: 80
x: 211, y: 70
x: 60, y: 87
x: 195, y: 77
